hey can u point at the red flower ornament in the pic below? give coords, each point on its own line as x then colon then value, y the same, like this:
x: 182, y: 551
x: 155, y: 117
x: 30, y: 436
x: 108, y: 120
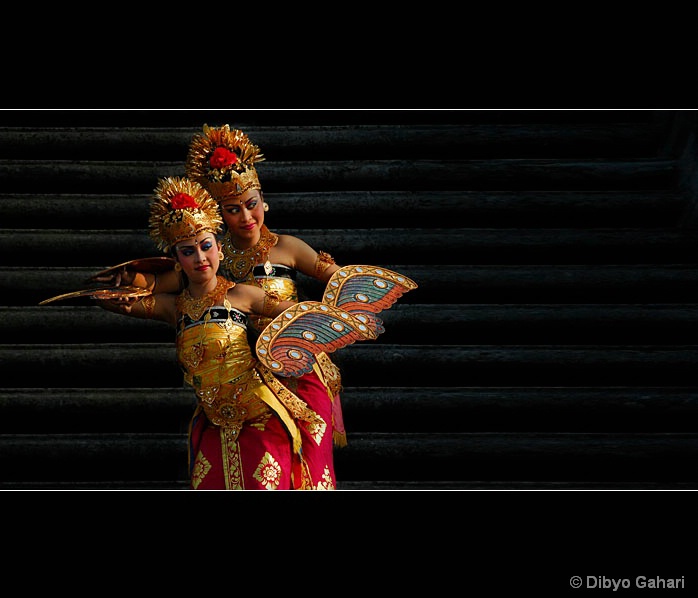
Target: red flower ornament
x: 181, y: 201
x: 222, y: 157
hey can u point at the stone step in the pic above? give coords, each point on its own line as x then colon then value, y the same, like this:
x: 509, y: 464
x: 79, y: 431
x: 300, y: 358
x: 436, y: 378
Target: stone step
x: 373, y: 209
x: 615, y: 458
x: 116, y: 365
x: 128, y: 176
x: 551, y: 342
x: 340, y: 142
x: 381, y: 485
x: 93, y: 457
x: 442, y: 284
x: 573, y: 457
x: 450, y: 246
x: 614, y: 409
x: 434, y: 324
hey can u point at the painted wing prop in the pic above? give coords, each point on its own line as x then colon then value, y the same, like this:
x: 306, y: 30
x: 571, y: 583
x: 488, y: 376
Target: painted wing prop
x: 365, y: 291
x: 347, y: 314
x: 289, y: 343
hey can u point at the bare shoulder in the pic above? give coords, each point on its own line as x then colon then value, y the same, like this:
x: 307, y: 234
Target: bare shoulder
x: 292, y: 252
x: 291, y: 243
x: 243, y: 296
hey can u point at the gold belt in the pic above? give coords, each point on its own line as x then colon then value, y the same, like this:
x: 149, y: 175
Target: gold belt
x: 232, y: 403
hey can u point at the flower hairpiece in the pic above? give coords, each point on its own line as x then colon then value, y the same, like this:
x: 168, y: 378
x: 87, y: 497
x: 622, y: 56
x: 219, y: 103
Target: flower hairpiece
x: 222, y: 160
x: 180, y: 209
x: 222, y: 157
x: 181, y: 201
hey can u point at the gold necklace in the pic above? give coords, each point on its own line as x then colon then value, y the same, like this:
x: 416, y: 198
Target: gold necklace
x: 195, y: 307
x: 241, y: 261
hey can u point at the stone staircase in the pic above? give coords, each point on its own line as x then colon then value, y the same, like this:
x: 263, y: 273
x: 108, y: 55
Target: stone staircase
x: 551, y: 343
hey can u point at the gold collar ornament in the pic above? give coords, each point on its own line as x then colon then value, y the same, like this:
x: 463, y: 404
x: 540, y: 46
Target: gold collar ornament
x: 241, y: 261
x: 194, y: 307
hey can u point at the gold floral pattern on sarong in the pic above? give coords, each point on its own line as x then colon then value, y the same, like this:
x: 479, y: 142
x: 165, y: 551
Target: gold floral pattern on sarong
x: 201, y: 468
x: 232, y: 468
x: 268, y: 472
x: 326, y: 482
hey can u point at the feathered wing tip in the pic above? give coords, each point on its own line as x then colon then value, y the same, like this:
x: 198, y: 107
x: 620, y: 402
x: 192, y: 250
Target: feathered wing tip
x: 365, y: 291
x: 371, y: 320
x: 289, y: 343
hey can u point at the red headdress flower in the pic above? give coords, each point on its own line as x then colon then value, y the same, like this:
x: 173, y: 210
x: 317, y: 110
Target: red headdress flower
x: 222, y: 157
x: 181, y: 201
x: 181, y: 209
x: 222, y: 161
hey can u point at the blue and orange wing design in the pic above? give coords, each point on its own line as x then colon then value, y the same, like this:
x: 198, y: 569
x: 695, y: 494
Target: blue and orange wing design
x: 365, y: 291
x: 289, y: 343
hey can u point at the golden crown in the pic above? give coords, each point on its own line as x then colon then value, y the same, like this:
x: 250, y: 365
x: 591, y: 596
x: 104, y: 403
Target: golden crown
x: 222, y: 161
x: 180, y: 209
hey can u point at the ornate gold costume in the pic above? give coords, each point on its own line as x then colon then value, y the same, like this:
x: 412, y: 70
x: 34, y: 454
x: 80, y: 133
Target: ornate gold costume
x: 232, y: 387
x: 238, y: 263
x: 279, y: 281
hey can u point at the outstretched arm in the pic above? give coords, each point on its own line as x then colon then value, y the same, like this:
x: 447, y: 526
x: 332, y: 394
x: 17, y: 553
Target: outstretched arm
x: 154, y: 274
x: 155, y: 307
x: 253, y: 299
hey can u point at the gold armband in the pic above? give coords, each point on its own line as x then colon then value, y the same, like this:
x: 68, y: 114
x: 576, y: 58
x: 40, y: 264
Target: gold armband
x: 323, y: 261
x: 271, y: 300
x: 148, y: 303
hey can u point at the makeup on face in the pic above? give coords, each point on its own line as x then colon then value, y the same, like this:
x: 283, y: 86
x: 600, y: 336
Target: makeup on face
x: 205, y: 242
x: 249, y: 200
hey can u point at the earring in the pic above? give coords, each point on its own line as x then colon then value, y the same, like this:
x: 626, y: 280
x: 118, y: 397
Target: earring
x: 266, y: 206
x: 220, y: 256
x: 178, y: 267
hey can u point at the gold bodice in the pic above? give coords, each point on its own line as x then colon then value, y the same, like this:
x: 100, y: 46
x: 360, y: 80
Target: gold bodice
x: 275, y: 278
x: 284, y: 287
x: 217, y: 361
x: 231, y: 385
x: 215, y: 349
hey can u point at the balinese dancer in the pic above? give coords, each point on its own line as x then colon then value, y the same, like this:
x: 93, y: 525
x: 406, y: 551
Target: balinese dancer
x: 246, y: 430
x: 222, y: 160
x: 250, y: 431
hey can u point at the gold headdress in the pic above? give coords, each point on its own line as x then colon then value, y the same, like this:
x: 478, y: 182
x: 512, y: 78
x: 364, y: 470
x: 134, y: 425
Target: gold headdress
x: 222, y: 161
x: 180, y: 210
